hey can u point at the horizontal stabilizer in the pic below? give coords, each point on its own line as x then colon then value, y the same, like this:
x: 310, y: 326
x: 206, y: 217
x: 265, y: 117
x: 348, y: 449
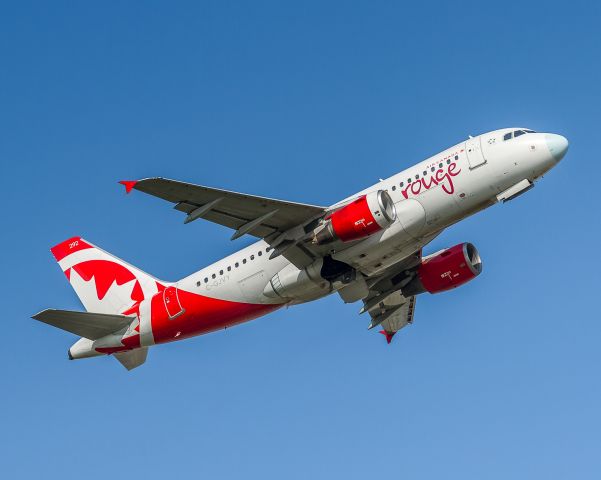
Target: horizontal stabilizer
x: 133, y: 358
x: 85, y: 324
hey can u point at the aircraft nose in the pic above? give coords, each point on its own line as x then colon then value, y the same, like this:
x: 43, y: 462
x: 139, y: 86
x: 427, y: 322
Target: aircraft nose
x: 557, y: 145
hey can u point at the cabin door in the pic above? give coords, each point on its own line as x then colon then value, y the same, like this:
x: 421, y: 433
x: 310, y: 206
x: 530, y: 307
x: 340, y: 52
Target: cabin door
x: 473, y: 150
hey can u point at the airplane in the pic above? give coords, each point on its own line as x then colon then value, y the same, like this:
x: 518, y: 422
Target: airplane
x: 367, y: 247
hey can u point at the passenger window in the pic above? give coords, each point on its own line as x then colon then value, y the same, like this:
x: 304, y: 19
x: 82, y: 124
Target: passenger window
x: 252, y: 257
x: 206, y: 279
x: 507, y: 136
x: 425, y: 172
x: 244, y: 260
x: 417, y: 177
x: 236, y: 265
x: 220, y: 272
x: 260, y: 253
x: 401, y: 184
x: 448, y: 161
x: 198, y: 283
x: 229, y: 268
x: 267, y: 249
x: 213, y: 276
x: 440, y: 165
x: 393, y: 188
x: 432, y: 169
x: 456, y: 157
x: 408, y: 181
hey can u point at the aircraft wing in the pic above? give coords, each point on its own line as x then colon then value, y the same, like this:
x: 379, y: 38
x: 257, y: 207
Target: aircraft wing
x: 257, y: 216
x: 246, y: 214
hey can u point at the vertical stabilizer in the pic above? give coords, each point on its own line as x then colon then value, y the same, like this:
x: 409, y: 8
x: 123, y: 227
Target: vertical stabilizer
x: 103, y: 282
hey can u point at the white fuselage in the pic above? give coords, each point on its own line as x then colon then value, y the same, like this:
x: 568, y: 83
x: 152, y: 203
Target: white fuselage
x: 428, y: 197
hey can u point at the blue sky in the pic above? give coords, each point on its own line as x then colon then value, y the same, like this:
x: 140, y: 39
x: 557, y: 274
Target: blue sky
x: 307, y: 101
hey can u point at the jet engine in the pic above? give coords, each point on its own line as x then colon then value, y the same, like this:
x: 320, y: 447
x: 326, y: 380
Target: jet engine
x: 363, y: 217
x: 446, y: 270
x: 322, y: 277
x: 292, y: 283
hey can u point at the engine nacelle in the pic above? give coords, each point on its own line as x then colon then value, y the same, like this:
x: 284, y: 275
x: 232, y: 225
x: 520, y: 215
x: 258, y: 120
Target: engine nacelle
x: 359, y: 219
x: 294, y: 284
x: 446, y: 270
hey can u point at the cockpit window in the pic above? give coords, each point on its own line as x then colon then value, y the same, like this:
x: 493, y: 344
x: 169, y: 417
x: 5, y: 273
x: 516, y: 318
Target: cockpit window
x: 516, y: 133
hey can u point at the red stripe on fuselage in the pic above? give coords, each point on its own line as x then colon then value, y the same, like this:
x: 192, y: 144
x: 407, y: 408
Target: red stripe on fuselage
x: 201, y: 315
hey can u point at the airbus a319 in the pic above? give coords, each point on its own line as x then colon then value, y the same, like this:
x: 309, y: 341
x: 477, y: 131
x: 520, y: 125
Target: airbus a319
x: 367, y: 247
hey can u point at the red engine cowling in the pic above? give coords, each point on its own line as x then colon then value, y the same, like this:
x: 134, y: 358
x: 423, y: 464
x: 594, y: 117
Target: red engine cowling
x: 446, y: 270
x: 359, y: 219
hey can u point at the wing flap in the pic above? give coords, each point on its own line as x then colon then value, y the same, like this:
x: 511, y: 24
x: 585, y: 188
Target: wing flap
x: 393, y: 313
x: 85, y: 324
x: 402, y: 317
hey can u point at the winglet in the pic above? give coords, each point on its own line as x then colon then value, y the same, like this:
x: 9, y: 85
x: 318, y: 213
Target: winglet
x: 128, y: 184
x: 388, y: 335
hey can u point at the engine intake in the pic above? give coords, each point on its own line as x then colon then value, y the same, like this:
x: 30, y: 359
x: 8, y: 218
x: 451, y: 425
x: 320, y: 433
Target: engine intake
x: 359, y: 219
x: 446, y: 270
